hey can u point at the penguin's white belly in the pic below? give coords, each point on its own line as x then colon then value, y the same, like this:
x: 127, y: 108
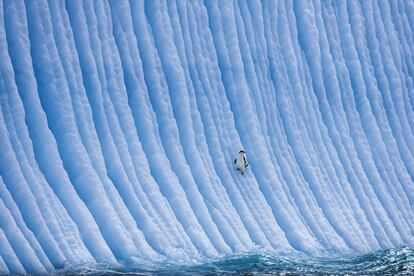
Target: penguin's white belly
x: 240, y: 164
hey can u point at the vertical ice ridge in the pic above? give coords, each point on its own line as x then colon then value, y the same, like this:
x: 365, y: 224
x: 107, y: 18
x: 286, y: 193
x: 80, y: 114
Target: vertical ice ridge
x: 326, y: 106
x: 120, y: 122
x: 80, y: 170
x: 15, y: 213
x: 17, y: 38
x: 46, y: 197
x: 191, y: 196
x: 7, y: 85
x: 9, y: 258
x: 229, y: 58
x: 312, y: 122
x: 3, y: 266
x: 28, y: 200
x: 57, y: 216
x: 114, y: 127
x: 131, y: 86
x: 248, y: 196
x: 367, y: 129
x: 315, y: 59
x: 279, y: 142
x: 20, y: 240
x: 117, y: 119
x: 339, y: 132
x: 205, y: 161
x: 348, y: 133
x: 389, y: 157
x: 383, y: 85
x: 168, y: 54
x: 205, y: 108
x: 372, y: 134
x: 291, y: 129
x: 357, y: 143
x: 269, y: 118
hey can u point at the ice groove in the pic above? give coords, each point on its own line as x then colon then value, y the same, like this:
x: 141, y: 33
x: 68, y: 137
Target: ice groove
x: 120, y: 121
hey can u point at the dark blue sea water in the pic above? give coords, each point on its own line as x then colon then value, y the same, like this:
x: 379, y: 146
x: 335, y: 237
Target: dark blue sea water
x: 385, y: 262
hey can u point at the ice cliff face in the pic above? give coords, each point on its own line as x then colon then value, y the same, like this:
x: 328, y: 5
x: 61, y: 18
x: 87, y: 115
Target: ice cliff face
x: 120, y: 122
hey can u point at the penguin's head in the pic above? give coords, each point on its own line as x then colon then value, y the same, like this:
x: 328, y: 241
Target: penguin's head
x: 242, y: 152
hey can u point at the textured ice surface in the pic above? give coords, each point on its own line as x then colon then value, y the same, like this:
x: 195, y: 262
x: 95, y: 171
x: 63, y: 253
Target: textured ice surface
x: 120, y: 121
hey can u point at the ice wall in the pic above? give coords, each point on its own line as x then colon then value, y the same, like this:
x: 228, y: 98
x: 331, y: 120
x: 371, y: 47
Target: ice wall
x: 120, y: 121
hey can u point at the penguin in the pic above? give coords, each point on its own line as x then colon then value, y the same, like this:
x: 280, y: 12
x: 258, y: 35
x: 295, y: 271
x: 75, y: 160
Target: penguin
x: 241, y: 162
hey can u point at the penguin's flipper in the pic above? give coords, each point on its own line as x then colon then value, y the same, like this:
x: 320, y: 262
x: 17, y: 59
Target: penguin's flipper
x: 246, y: 165
x: 235, y: 161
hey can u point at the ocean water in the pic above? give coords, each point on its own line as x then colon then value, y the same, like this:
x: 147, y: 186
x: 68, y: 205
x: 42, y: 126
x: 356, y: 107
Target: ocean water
x: 384, y: 262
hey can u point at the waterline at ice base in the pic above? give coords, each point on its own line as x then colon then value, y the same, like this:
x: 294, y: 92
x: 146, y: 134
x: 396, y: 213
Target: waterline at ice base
x: 142, y: 136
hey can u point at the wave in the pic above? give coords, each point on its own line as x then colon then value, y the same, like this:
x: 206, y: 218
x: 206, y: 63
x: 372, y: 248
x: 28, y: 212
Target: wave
x: 383, y: 262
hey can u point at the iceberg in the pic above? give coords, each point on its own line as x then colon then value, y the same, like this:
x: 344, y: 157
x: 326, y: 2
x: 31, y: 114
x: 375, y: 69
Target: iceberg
x: 120, y: 121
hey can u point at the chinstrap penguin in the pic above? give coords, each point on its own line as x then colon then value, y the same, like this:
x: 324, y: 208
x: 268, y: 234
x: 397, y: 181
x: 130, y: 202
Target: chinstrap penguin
x: 241, y: 161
